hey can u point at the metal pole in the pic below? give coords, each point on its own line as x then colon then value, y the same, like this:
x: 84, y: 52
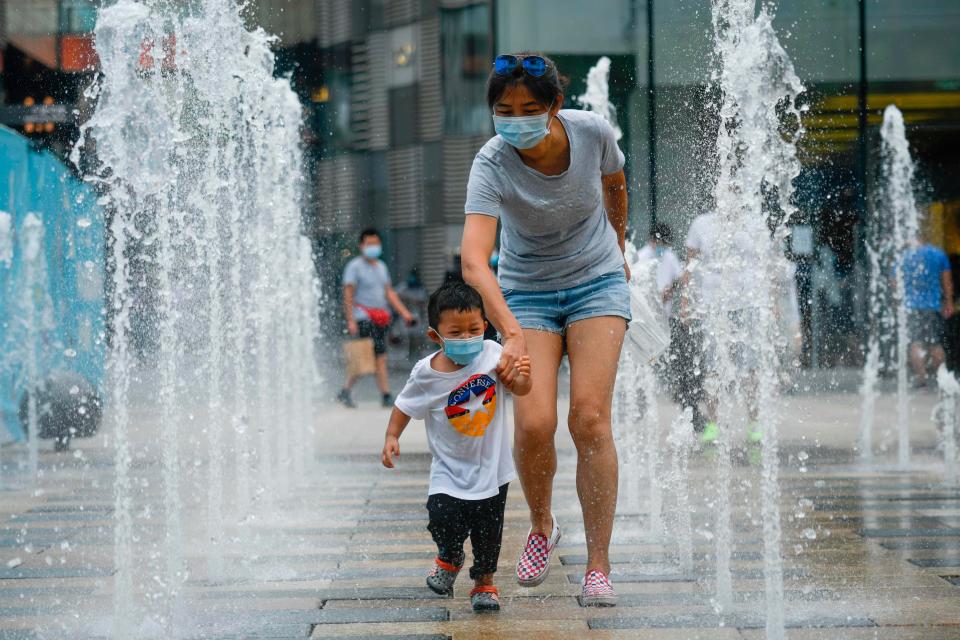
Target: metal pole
x: 862, y: 90
x: 862, y: 114
x: 651, y: 116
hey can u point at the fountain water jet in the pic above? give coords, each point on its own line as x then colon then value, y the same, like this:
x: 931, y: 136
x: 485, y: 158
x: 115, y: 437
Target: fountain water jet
x: 199, y: 158
x: 897, y: 200
x: 759, y: 125
x: 946, y: 414
x: 679, y: 441
x: 893, y: 228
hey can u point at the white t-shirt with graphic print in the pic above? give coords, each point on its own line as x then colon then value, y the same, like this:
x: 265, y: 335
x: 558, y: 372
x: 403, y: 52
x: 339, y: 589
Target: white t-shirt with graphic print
x: 463, y: 413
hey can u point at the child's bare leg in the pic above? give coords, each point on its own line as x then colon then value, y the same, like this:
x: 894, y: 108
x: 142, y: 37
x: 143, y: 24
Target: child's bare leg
x: 484, y: 580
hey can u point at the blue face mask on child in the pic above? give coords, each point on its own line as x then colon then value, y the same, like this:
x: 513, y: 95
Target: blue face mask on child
x: 522, y: 132
x: 461, y: 350
x: 372, y: 251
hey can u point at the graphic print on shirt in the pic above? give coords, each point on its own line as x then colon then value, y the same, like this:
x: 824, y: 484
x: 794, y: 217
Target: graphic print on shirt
x: 472, y: 406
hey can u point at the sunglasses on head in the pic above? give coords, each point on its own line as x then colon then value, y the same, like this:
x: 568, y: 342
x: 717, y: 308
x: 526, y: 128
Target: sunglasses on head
x: 505, y: 65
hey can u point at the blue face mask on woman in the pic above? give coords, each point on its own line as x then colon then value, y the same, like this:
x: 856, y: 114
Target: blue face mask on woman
x: 461, y: 350
x: 522, y: 132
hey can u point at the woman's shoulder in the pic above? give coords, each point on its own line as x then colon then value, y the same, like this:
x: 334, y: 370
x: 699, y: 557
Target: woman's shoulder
x: 492, y: 152
x: 581, y: 118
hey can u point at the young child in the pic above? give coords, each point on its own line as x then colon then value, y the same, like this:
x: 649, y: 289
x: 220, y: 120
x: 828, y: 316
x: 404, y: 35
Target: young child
x: 458, y: 394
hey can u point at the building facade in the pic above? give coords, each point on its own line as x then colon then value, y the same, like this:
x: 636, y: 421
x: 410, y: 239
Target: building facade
x: 393, y: 94
x: 395, y: 100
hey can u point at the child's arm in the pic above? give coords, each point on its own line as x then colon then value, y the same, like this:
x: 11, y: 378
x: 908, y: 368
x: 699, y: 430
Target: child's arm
x: 391, y: 446
x: 522, y: 384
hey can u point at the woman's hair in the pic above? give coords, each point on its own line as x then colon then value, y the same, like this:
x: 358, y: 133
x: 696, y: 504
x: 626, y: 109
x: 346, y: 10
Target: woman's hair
x: 544, y: 89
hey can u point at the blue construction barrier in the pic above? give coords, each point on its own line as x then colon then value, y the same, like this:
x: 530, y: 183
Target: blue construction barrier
x: 61, y: 289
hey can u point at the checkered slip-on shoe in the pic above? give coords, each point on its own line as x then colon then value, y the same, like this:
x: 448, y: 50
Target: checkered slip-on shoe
x: 485, y: 599
x: 534, y: 561
x: 442, y: 577
x: 597, y: 591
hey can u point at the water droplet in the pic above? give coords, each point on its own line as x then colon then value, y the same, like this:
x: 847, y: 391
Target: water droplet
x: 74, y: 390
x: 803, y: 455
x: 83, y: 223
x: 70, y: 353
x: 809, y: 534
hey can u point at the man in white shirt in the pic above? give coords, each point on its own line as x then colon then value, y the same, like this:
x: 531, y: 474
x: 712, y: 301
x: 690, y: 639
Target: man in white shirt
x: 710, y: 273
x: 669, y: 269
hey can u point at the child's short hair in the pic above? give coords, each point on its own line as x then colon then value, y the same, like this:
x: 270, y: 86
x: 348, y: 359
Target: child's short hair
x: 457, y: 296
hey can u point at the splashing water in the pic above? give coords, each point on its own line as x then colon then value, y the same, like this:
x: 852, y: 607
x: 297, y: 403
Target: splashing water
x: 679, y: 442
x: 757, y: 162
x: 896, y: 200
x: 199, y: 154
x: 878, y: 296
x: 36, y: 312
x: 892, y: 229
x: 637, y: 419
x: 946, y: 414
x: 597, y: 97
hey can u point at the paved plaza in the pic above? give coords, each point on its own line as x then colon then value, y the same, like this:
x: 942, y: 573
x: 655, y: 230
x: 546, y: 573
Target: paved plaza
x: 870, y: 551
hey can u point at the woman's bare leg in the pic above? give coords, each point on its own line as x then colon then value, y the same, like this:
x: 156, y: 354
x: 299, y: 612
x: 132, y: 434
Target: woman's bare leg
x: 535, y: 426
x: 593, y: 346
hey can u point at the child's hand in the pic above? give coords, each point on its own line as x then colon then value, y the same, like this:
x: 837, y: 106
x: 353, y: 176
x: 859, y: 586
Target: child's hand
x: 521, y: 384
x: 523, y: 367
x: 390, y: 448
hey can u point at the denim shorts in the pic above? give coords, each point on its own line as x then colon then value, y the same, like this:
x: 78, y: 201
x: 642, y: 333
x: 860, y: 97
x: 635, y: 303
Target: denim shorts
x: 554, y: 311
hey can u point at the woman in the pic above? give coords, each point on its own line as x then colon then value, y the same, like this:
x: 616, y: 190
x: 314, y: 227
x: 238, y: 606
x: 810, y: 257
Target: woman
x: 554, y: 179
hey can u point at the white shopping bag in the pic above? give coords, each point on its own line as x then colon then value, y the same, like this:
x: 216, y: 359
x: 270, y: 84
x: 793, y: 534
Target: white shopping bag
x: 648, y: 334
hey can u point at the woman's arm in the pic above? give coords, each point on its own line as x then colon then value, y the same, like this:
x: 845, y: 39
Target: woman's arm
x: 479, y: 239
x: 615, y: 203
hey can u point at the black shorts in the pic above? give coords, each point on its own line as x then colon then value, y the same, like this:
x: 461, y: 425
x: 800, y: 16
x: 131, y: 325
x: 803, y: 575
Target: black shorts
x: 925, y: 326
x: 379, y: 334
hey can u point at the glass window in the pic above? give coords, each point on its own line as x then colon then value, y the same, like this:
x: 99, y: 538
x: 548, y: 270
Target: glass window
x: 77, y: 16
x: 467, y: 54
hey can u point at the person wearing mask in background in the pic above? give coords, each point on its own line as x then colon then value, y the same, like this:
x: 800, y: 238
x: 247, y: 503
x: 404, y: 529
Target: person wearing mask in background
x: 669, y: 269
x: 685, y: 376
x: 368, y: 296
x: 928, y: 295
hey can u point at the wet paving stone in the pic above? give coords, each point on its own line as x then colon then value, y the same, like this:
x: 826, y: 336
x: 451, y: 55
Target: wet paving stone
x: 933, y: 563
x: 643, y: 558
x: 895, y: 545
x: 58, y: 517
x: 72, y: 509
x: 856, y: 507
x: 22, y: 573
x: 737, y: 574
x: 699, y: 599
x: 394, y: 614
x: 385, y: 637
x: 344, y: 592
x: 736, y: 621
x: 910, y: 533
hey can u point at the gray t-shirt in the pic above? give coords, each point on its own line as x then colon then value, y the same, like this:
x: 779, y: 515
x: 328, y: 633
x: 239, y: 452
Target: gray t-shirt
x: 370, y: 282
x: 555, y: 232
